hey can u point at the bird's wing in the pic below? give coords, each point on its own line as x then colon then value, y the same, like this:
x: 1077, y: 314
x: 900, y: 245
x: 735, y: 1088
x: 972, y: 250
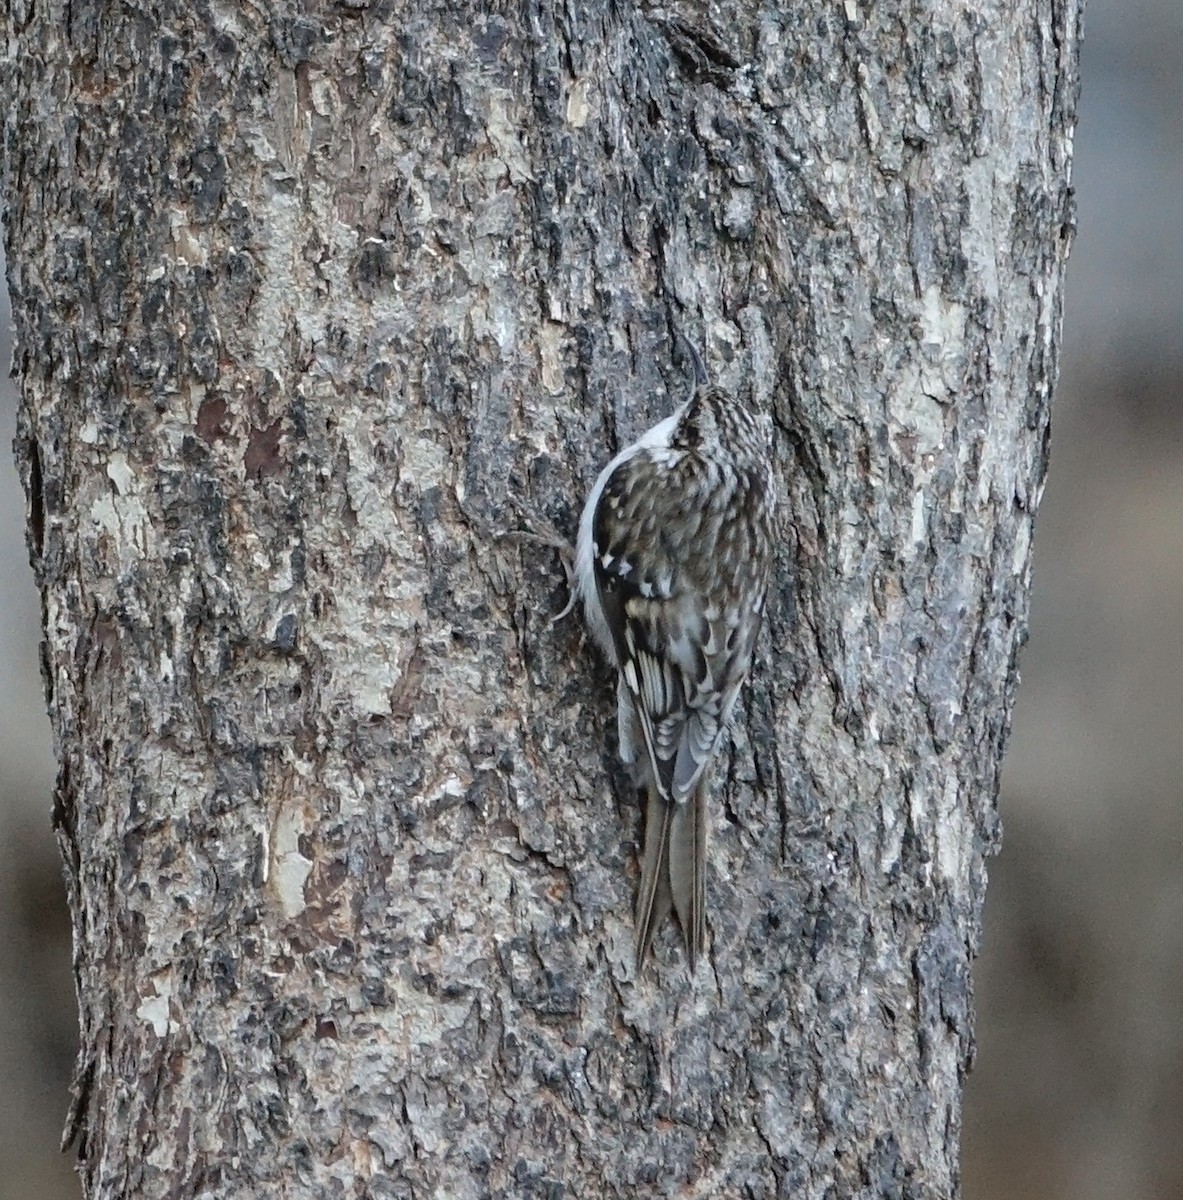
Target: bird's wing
x: 682, y: 649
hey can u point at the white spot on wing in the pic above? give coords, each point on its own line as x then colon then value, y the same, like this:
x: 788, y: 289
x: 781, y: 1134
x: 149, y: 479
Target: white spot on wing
x: 630, y: 675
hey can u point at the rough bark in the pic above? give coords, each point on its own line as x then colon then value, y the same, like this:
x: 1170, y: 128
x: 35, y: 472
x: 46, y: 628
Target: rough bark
x: 308, y: 299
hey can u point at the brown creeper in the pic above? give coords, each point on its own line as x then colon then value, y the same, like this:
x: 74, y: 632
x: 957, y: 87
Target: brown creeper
x: 672, y: 562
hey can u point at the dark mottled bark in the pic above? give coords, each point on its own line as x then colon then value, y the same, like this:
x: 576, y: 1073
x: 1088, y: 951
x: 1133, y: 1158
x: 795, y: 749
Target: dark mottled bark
x: 305, y: 297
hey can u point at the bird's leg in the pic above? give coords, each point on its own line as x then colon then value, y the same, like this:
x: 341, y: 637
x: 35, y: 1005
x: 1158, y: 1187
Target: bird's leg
x: 543, y: 533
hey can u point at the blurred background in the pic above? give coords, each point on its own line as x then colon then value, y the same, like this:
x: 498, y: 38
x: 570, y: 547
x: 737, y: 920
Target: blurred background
x: 1078, y: 1089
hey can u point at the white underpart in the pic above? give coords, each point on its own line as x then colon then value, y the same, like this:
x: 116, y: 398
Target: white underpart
x: 624, y: 723
x: 657, y: 438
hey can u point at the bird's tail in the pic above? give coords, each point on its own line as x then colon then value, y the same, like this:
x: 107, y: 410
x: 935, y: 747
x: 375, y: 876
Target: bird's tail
x: 673, y: 871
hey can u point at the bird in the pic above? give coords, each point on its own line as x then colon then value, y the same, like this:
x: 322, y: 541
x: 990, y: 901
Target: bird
x: 672, y: 562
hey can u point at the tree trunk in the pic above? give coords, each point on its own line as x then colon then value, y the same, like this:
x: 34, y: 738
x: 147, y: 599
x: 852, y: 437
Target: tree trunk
x: 309, y: 303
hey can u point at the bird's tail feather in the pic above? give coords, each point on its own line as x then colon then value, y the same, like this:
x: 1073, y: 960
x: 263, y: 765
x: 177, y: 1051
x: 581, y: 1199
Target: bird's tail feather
x: 654, y: 900
x: 673, y: 871
x: 687, y: 869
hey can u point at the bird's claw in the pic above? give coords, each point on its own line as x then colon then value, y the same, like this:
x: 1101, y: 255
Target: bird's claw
x: 542, y: 533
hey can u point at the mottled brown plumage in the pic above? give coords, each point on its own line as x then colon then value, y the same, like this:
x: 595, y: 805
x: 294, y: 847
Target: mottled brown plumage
x: 675, y: 549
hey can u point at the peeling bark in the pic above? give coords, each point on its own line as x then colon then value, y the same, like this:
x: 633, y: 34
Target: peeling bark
x: 307, y: 301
